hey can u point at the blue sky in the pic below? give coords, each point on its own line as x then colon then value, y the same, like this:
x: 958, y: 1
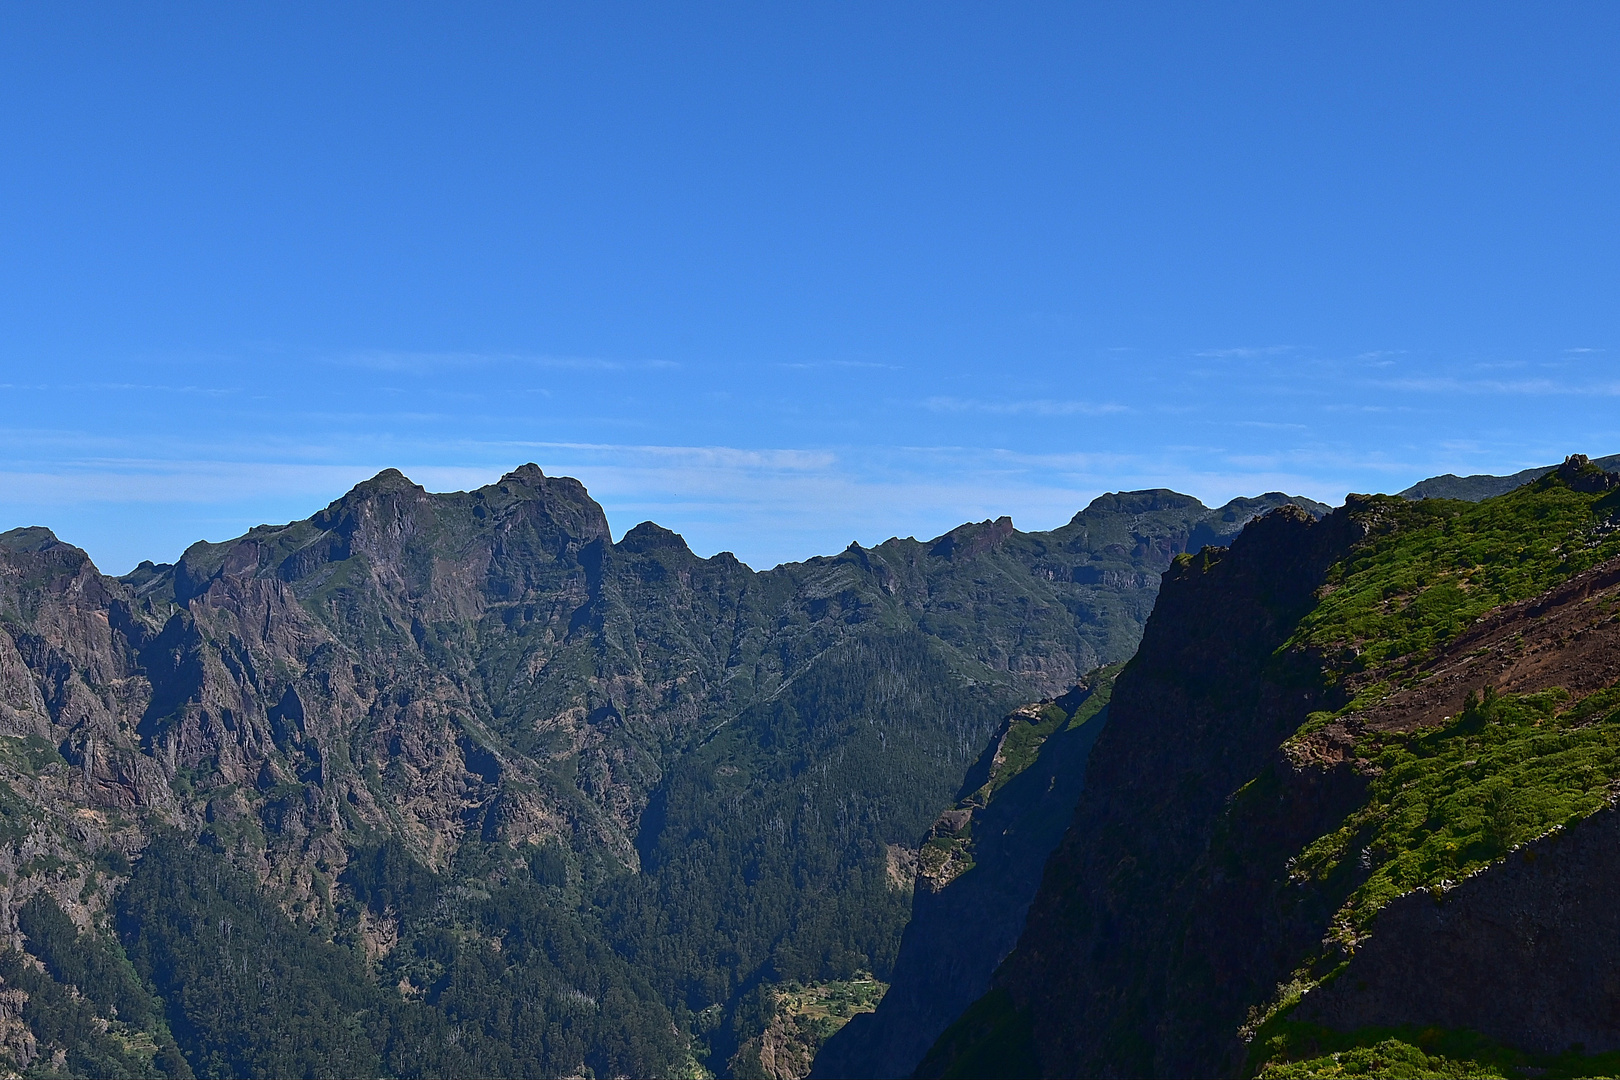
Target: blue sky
x: 784, y: 276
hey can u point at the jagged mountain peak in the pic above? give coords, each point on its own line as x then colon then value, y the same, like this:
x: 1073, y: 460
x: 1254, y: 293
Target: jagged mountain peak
x: 527, y: 473
x: 386, y: 482
x: 1242, y: 508
x: 1580, y: 473
x: 968, y: 540
x: 345, y: 512
x: 562, y: 501
x: 415, y: 539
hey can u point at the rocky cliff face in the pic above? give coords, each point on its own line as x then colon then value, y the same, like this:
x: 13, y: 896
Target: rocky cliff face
x: 490, y: 668
x: 451, y: 640
x: 1326, y: 728
x: 1524, y: 954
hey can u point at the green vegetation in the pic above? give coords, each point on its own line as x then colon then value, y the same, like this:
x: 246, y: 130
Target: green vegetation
x: 71, y: 1026
x: 1023, y: 741
x: 17, y: 818
x: 499, y: 984
x: 1300, y: 1051
x: 1431, y: 568
x: 87, y: 1004
x: 248, y: 992
x: 1444, y: 802
x: 545, y: 960
x: 97, y: 967
x: 32, y: 753
x: 801, y: 1019
x: 765, y: 854
x: 947, y: 853
x: 832, y: 1004
x: 1449, y: 800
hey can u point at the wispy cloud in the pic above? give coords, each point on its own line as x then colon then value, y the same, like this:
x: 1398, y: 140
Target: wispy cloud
x: 1246, y: 352
x: 711, y: 456
x: 817, y: 365
x: 122, y: 388
x: 1525, y: 387
x: 126, y: 481
x: 428, y: 363
x: 1036, y: 407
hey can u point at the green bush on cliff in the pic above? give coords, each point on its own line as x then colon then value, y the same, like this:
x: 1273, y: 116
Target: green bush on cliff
x: 1024, y: 741
x: 1390, y: 1058
x: 1298, y: 1051
x: 1450, y: 800
x: 1431, y: 568
x: 1443, y: 802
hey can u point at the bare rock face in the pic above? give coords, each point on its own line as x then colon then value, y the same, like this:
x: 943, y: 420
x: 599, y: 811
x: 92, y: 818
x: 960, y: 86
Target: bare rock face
x: 285, y: 688
x: 1526, y: 953
x: 15, y: 1038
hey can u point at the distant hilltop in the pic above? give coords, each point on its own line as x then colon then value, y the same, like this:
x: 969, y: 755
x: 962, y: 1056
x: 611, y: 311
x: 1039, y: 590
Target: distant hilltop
x: 1483, y: 486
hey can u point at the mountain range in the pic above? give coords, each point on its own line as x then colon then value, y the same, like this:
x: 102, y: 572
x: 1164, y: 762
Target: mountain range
x: 508, y: 775
x: 455, y: 784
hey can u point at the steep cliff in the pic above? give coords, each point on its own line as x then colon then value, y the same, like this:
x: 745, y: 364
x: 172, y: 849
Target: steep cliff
x: 1326, y: 726
x: 1525, y: 953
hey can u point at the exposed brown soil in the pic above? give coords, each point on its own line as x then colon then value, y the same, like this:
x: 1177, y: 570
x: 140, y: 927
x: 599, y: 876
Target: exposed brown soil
x: 1568, y: 636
